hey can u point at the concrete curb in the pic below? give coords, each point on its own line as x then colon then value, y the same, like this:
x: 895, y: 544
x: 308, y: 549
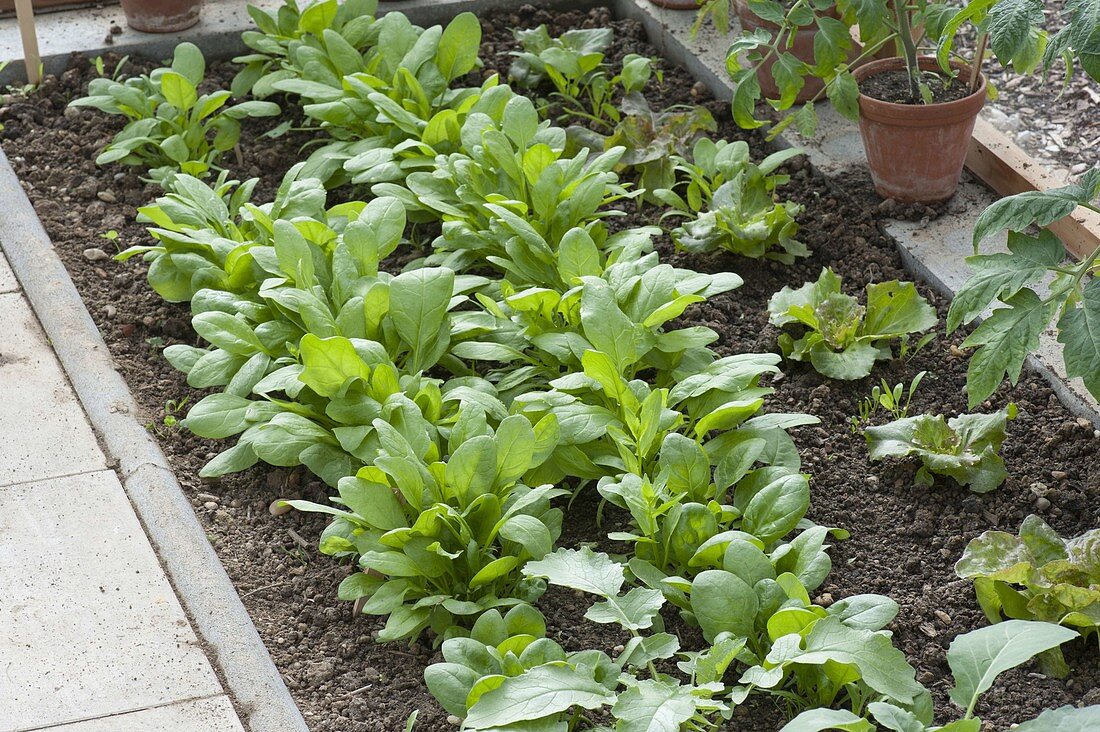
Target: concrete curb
x: 193, y: 567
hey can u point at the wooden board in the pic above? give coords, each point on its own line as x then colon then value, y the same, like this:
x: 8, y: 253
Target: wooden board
x: 1007, y: 169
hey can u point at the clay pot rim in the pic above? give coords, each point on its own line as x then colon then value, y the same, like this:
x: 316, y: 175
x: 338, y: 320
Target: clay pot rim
x: 918, y: 115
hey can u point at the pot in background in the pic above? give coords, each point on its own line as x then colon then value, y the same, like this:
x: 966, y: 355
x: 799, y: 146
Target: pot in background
x: 676, y: 4
x: 916, y: 151
x: 161, y: 16
x: 802, y: 49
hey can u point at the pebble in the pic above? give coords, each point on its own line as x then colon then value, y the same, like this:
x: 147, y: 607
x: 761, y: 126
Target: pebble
x: 1041, y: 504
x: 106, y: 196
x: 1079, y: 168
x: 95, y: 255
x: 1039, y: 489
x: 210, y: 505
x: 207, y: 497
x: 1058, y: 474
x: 944, y: 617
x: 278, y: 509
x: 453, y: 720
x: 72, y: 112
x: 1084, y: 423
x: 111, y: 311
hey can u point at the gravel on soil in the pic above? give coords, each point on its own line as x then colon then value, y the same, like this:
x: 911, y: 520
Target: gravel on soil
x: 904, y: 538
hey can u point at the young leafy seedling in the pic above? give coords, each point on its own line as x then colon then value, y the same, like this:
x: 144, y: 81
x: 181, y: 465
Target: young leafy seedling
x: 966, y: 447
x: 171, y: 128
x: 842, y: 339
x: 1037, y: 575
x: 976, y: 660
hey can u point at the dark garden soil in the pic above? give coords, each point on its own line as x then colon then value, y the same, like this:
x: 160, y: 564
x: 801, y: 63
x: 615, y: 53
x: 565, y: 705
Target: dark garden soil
x: 904, y: 539
x: 894, y: 87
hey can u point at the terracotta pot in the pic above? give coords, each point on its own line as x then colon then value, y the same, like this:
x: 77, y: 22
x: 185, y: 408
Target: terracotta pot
x: 803, y: 50
x: 161, y: 16
x: 916, y: 151
x: 676, y: 4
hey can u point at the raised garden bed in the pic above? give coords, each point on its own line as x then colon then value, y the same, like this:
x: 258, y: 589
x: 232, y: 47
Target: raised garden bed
x: 905, y: 539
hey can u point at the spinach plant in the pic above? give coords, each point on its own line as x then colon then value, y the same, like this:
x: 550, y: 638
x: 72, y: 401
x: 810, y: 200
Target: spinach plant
x: 542, y: 334
x: 842, y: 339
x: 171, y: 128
x: 1037, y: 575
x: 728, y: 202
x: 1071, y: 298
x: 327, y: 34
x: 441, y: 539
x: 965, y: 447
x: 976, y: 660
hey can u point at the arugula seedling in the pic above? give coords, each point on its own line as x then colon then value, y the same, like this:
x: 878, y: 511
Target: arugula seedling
x: 976, y: 659
x: 896, y: 401
x: 843, y: 339
x: 965, y: 447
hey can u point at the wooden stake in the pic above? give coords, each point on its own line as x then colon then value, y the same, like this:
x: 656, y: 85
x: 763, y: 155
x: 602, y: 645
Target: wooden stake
x: 25, y: 15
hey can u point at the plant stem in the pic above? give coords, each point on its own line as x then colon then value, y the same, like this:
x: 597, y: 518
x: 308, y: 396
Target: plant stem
x: 976, y: 66
x: 909, y: 48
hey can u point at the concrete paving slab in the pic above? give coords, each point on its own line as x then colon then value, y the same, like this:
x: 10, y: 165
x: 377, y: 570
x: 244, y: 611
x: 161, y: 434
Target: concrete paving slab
x: 7, y: 278
x: 207, y: 715
x: 39, y: 409
x: 95, y: 629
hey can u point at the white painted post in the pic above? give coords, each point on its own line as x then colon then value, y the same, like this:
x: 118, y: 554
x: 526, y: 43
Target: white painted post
x: 25, y: 15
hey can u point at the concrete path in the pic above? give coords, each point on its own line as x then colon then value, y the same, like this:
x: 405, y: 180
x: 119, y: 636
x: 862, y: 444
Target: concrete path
x: 92, y: 635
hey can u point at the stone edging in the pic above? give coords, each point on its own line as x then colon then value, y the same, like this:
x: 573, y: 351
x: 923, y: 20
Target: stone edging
x: 192, y: 566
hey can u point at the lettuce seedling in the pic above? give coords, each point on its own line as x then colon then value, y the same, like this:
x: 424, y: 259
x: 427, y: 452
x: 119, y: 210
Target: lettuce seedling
x: 965, y: 447
x: 574, y: 64
x: 441, y: 540
x: 1037, y: 575
x: 652, y: 140
x: 729, y: 203
x: 171, y: 128
x: 843, y: 339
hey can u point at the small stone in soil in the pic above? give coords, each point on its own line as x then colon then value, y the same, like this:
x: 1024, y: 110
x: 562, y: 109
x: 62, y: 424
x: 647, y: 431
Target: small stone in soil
x: 95, y: 255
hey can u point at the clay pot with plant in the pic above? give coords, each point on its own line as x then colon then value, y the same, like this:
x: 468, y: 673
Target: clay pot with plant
x: 916, y: 111
x: 161, y: 16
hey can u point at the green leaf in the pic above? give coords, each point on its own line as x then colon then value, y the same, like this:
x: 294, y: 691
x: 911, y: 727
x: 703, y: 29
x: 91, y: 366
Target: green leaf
x: 579, y: 569
x: 188, y: 62
x: 536, y: 694
x: 723, y: 602
x: 419, y: 301
x: 653, y: 706
x: 178, y: 91
x: 633, y: 611
x: 1064, y: 719
x: 817, y: 720
x: 978, y: 657
x: 1040, y: 208
x: 1002, y: 275
x: 457, y: 52
x: 844, y: 95
x: 1079, y: 332
x: 1010, y: 24
x: 1004, y: 340
x: 329, y: 363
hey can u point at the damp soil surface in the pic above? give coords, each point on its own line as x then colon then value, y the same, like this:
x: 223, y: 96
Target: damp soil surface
x: 897, y: 87
x: 904, y: 540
